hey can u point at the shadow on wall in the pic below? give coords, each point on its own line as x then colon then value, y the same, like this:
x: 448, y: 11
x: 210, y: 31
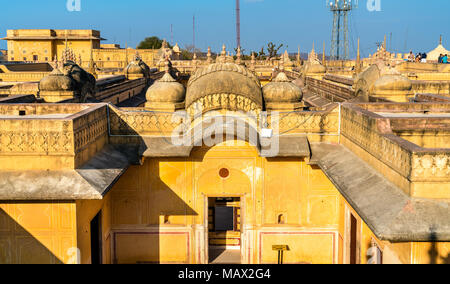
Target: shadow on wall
x: 18, y: 246
x: 435, y: 256
x: 153, y: 205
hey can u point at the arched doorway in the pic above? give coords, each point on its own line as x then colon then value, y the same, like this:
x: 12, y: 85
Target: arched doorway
x: 225, y: 177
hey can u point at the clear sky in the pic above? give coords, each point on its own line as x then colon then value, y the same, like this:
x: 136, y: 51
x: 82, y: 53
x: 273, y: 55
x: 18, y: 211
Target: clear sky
x: 414, y: 24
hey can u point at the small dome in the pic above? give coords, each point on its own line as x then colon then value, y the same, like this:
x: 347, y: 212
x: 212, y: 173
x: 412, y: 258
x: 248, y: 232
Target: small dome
x: 166, y: 90
x: 282, y: 90
x: 57, y: 81
x: 392, y: 82
x: 315, y: 69
x: 137, y: 68
x: 225, y: 79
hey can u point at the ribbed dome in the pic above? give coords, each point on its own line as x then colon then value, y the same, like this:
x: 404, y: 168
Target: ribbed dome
x: 224, y: 79
x: 166, y: 90
x: 282, y: 90
x: 57, y: 81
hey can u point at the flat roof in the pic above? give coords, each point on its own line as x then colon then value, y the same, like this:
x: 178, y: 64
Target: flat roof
x: 34, y: 116
x: 412, y: 115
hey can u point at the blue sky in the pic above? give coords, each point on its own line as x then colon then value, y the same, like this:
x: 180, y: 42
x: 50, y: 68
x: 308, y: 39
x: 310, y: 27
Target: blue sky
x: 414, y: 24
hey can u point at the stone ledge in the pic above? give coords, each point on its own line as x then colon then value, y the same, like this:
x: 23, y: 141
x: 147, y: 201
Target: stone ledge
x: 90, y: 182
x: 386, y: 209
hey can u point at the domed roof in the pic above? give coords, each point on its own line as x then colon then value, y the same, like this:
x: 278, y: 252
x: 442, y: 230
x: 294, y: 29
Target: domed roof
x: 166, y: 90
x: 57, y: 81
x: 281, y: 89
x: 315, y: 68
x: 137, y: 67
x: 224, y: 79
x: 392, y: 82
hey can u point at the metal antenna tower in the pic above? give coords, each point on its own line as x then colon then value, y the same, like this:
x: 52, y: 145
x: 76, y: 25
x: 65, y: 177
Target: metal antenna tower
x: 193, y: 33
x: 340, y: 40
x: 238, y: 24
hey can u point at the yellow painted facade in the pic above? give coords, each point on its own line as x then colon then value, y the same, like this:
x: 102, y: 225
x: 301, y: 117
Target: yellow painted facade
x: 157, y: 213
x: 46, y: 45
x: 159, y: 210
x: 38, y: 233
x: 177, y: 191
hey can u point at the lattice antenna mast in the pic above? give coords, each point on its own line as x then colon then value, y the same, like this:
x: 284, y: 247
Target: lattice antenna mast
x: 238, y: 24
x: 340, y: 38
x: 193, y: 32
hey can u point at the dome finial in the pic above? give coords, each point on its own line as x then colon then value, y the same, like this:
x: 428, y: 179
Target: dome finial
x: 167, y: 65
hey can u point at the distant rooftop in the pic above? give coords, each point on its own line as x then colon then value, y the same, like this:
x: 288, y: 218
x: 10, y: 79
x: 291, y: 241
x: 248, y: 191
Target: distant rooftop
x: 40, y: 34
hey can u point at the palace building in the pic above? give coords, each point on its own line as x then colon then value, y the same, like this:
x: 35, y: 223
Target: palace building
x: 48, y: 46
x: 224, y: 160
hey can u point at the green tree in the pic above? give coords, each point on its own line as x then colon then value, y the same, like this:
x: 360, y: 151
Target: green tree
x: 187, y: 53
x: 153, y: 42
x: 272, y: 49
x: 261, y: 55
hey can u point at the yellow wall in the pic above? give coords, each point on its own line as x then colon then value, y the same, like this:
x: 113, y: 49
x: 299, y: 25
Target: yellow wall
x: 38, y: 233
x: 86, y: 211
x: 178, y: 188
x: 427, y: 139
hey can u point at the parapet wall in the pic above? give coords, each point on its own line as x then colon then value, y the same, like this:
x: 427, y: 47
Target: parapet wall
x: 414, y: 168
x: 50, y: 137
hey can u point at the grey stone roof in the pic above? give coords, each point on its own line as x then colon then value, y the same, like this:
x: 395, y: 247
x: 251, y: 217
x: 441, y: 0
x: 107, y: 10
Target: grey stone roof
x: 386, y: 209
x: 90, y: 182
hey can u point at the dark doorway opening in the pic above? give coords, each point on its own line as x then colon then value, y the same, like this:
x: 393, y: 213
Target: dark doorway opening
x: 224, y: 223
x: 96, y: 239
x: 353, y: 240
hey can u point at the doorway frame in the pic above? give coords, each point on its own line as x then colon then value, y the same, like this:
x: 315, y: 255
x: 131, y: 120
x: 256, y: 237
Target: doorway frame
x: 206, y: 221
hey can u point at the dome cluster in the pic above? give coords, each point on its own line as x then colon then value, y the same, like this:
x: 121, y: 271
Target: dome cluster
x: 223, y: 85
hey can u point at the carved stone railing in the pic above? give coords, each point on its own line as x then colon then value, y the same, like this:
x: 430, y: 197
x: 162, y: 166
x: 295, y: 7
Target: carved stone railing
x: 22, y: 76
x: 89, y: 126
x: 329, y: 90
x: 141, y: 122
x: 36, y: 137
x: 323, y: 122
x: 53, y: 130
x: 373, y: 133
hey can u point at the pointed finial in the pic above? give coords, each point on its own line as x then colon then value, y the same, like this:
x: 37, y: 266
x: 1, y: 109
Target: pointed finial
x: 358, y: 59
x: 440, y: 40
x: 323, y: 54
x: 166, y: 65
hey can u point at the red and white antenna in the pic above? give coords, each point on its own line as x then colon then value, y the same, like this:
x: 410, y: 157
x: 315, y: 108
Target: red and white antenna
x: 238, y: 24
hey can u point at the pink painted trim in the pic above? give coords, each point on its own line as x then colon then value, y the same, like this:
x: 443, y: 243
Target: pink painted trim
x: 297, y: 233
x: 153, y: 233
